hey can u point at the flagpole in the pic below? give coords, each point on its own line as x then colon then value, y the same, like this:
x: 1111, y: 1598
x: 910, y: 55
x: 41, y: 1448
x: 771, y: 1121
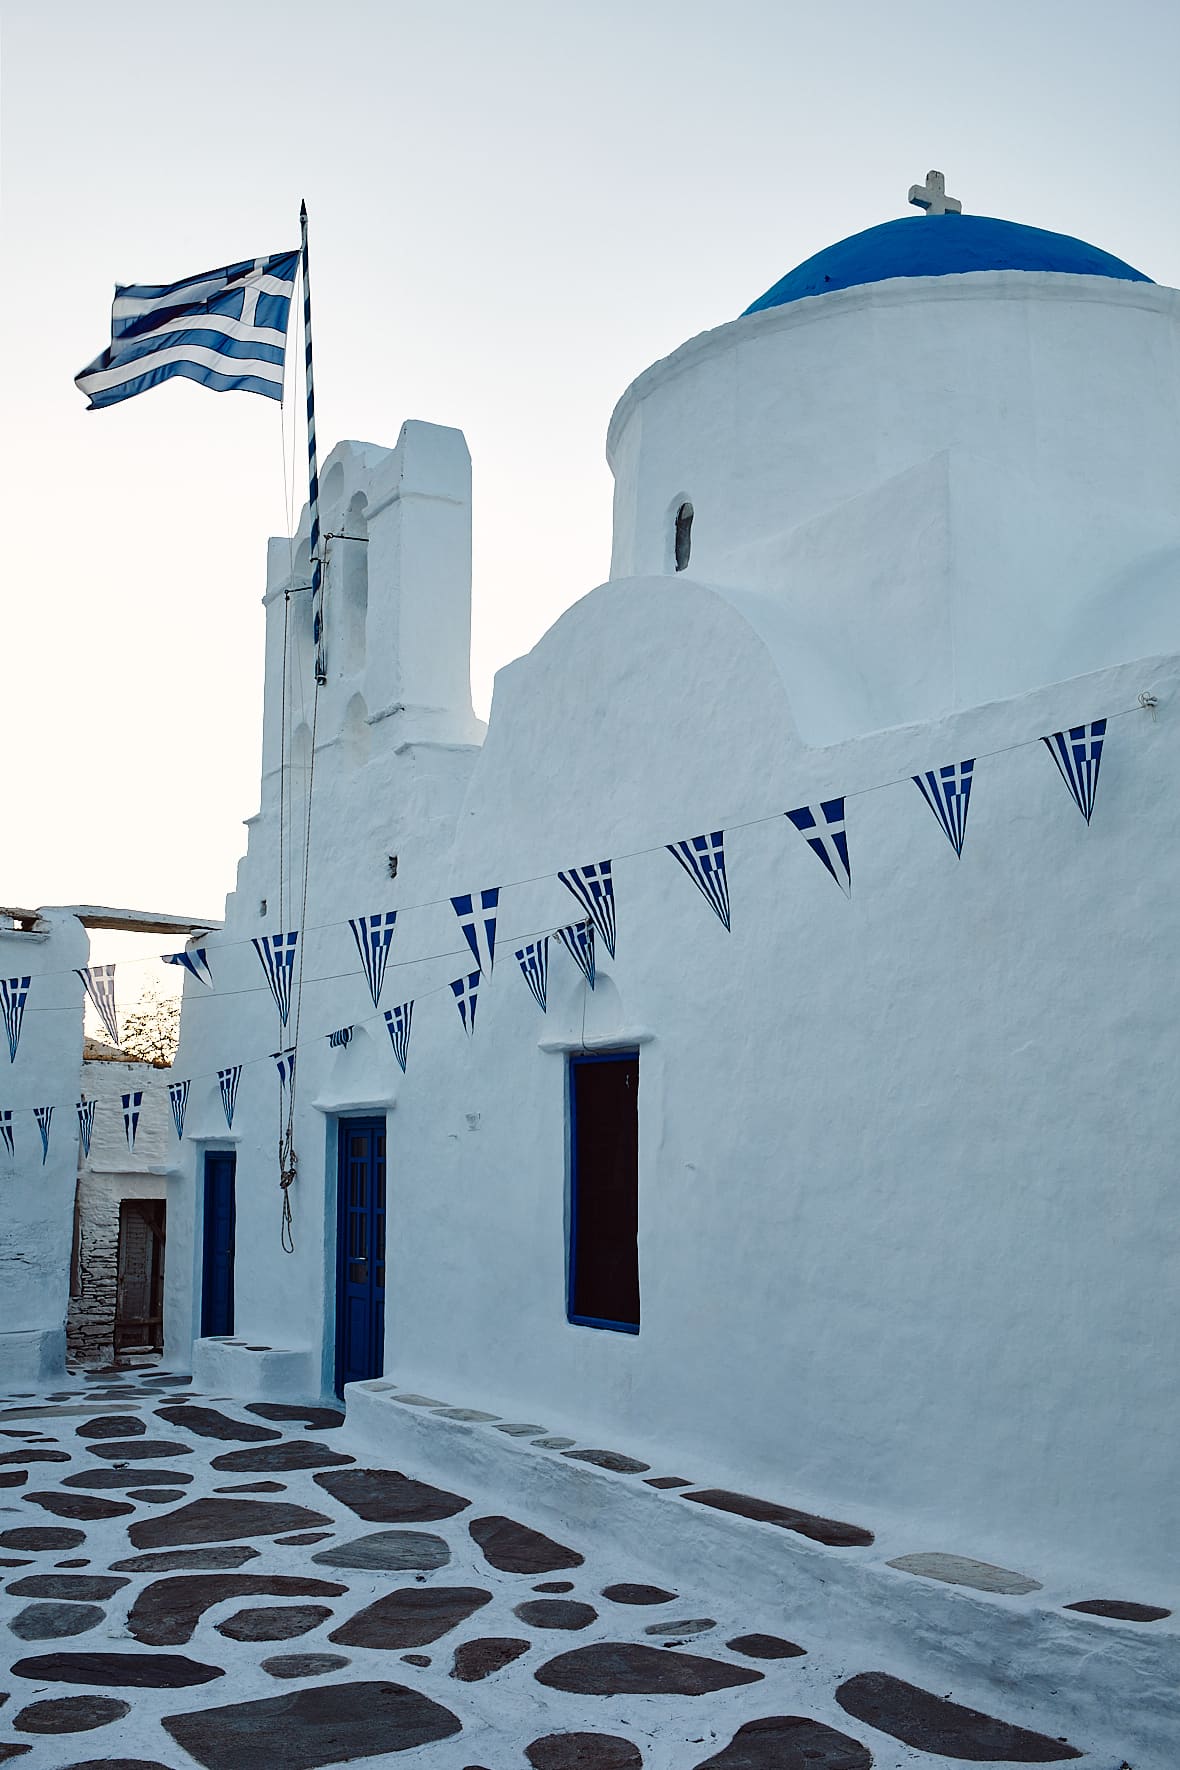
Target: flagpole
x: 313, y: 477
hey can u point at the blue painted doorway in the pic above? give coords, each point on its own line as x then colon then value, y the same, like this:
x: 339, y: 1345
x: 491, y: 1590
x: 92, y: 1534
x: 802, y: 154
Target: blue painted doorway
x: 217, y: 1276
x: 360, y: 1252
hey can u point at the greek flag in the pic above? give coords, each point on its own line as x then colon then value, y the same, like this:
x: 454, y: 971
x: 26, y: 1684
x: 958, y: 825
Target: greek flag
x: 947, y: 792
x: 131, y: 1105
x: 6, y: 1130
x: 399, y: 1021
x: 226, y: 329
x: 44, y: 1118
x: 703, y: 859
x: 195, y: 960
x: 533, y: 960
x: 14, y: 993
x: 578, y: 941
x: 86, y: 1122
x: 178, y: 1100
x: 1077, y: 754
x: 593, y: 886
x: 227, y: 1081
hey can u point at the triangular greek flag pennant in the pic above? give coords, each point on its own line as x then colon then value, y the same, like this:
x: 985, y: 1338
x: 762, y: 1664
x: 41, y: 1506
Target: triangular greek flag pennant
x: 276, y: 954
x: 533, y: 960
x: 44, y: 1118
x: 340, y: 1038
x: 131, y: 1105
x: 947, y: 791
x: 86, y: 1122
x: 703, y: 859
x: 6, y: 1131
x: 285, y: 1064
x: 227, y: 1081
x: 1077, y: 754
x: 466, y: 990
x: 373, y: 935
x: 822, y: 826
x: 594, y: 889
x: 178, y: 1101
x: 578, y: 941
x: 398, y: 1021
x: 99, y: 982
x: 477, y: 918
x: 194, y: 960
x: 14, y: 993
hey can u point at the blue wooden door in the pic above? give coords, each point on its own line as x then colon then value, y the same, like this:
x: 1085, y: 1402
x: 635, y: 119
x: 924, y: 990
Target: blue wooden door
x: 217, y: 1284
x: 360, y: 1245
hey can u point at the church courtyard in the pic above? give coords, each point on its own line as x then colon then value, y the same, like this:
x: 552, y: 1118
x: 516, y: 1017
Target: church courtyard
x: 196, y: 1580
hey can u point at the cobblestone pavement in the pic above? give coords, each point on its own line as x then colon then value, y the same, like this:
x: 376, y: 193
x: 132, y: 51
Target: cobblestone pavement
x: 193, y: 1580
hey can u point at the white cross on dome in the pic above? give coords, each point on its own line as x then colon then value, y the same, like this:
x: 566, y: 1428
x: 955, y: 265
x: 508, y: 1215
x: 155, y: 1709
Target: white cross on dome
x: 932, y: 196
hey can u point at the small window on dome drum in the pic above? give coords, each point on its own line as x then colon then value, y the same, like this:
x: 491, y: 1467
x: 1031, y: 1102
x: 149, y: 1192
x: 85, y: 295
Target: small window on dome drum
x: 682, y: 540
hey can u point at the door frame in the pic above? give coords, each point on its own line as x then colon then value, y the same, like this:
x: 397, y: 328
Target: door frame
x: 344, y: 1123
x: 576, y: 1059
x: 208, y: 1152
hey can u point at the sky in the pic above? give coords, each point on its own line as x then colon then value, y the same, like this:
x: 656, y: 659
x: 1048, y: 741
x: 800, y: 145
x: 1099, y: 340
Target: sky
x: 514, y: 210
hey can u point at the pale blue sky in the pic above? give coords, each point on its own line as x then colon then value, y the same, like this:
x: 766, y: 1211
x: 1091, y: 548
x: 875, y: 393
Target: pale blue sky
x: 514, y: 210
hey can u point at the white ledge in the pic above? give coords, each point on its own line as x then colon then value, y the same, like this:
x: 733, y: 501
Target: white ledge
x: 615, y: 1041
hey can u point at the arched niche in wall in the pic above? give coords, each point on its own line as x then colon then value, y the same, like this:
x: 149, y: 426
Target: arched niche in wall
x: 678, y: 531
x: 361, y: 1074
x: 356, y: 732
x: 578, y: 1013
x: 349, y: 554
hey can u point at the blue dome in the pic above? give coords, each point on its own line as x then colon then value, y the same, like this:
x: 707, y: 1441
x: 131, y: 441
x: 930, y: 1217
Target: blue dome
x: 941, y: 246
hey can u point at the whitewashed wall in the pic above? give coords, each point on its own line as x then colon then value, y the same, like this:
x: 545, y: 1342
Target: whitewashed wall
x: 37, y: 1199
x: 945, y: 489
x: 395, y: 736
x: 905, y: 1231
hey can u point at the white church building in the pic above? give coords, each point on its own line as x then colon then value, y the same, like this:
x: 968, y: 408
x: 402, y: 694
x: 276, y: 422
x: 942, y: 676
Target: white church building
x: 850, y: 1182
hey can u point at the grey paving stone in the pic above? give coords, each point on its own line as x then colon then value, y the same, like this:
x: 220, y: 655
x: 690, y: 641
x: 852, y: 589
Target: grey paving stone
x: 52, y: 1621
x: 138, y: 1671
x: 103, y: 1479
x: 627, y: 1668
x: 291, y: 1453
x: 959, y: 1570
x: 1120, y: 1609
x: 306, y: 1729
x: 932, y: 1724
x: 556, y: 1613
x: 765, y: 1647
x: 113, y: 1426
x: 829, y: 1531
x: 696, y: 1625
x: 789, y: 1742
x: 626, y: 1593
x: 316, y: 1419
x: 554, y: 1443
x: 210, y: 1422
x: 219, y: 1521
x: 481, y: 1658
x: 86, y: 1506
x: 166, y: 1560
x: 514, y: 1548
x: 304, y: 1665
x: 385, y: 1496
x: 136, y: 1450
x: 413, y: 1616
x: 41, y: 1538
x: 273, y: 1622
x: 583, y: 1751
x: 393, y: 1551
x: 85, y: 1587
x: 71, y: 1714
x: 609, y: 1459
x: 515, y: 1429
x: 156, y: 1496
x: 471, y: 1414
